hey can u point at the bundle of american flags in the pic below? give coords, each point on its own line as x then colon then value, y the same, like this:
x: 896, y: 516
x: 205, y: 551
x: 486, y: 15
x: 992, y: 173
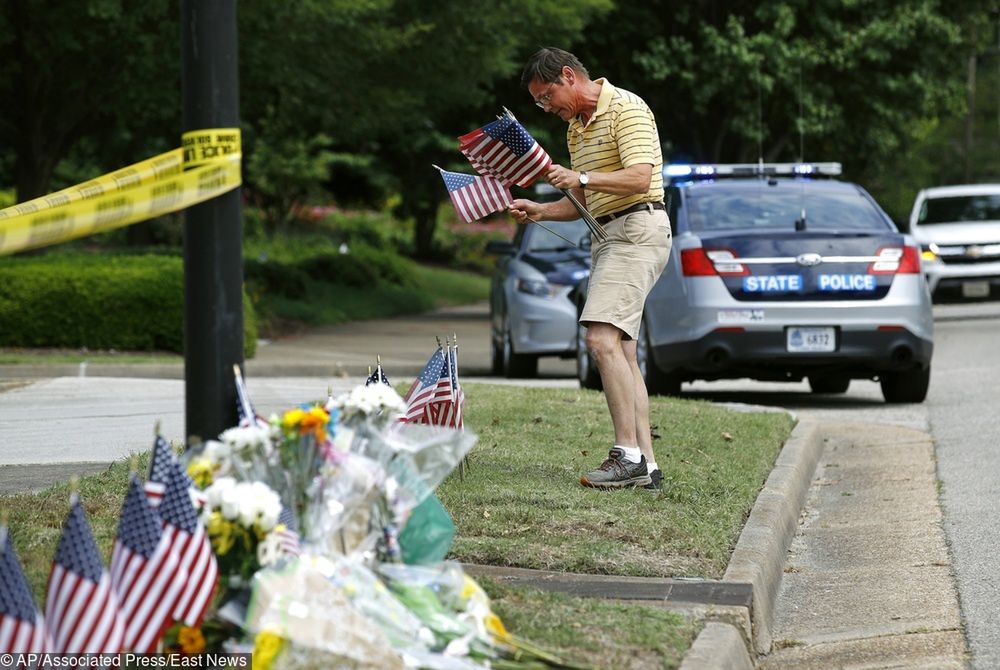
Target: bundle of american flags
x: 162, y: 570
x: 503, y: 153
x: 436, y: 396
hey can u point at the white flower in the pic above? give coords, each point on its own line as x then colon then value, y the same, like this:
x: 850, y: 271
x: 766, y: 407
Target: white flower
x: 369, y: 401
x: 249, y: 502
x: 214, y: 493
x: 247, y: 437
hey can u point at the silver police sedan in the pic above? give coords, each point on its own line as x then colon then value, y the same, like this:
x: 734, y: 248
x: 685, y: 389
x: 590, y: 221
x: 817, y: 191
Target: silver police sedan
x: 531, y: 312
x: 779, y: 272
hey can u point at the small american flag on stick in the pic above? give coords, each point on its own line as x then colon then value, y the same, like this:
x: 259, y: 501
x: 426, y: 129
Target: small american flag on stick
x: 81, y: 606
x: 145, y: 572
x: 424, y: 390
x: 22, y: 628
x: 475, y: 197
x: 187, y: 537
x: 505, y: 150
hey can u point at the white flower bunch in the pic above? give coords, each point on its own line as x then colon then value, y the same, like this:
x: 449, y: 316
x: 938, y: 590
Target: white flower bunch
x: 242, y: 438
x: 249, y: 503
x: 369, y: 401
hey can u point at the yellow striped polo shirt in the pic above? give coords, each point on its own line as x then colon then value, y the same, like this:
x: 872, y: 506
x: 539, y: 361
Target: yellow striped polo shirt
x: 621, y: 133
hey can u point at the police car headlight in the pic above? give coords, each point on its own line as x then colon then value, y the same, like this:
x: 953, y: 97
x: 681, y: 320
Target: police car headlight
x: 929, y: 252
x: 539, y: 287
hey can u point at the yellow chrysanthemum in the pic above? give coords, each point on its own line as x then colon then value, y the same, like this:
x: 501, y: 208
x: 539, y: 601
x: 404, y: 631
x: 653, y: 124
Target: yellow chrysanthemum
x: 201, y: 471
x: 266, y: 647
x: 221, y: 532
x: 292, y: 418
x: 190, y: 640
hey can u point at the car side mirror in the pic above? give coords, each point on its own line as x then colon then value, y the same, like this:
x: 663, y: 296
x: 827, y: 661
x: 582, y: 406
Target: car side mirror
x: 501, y: 247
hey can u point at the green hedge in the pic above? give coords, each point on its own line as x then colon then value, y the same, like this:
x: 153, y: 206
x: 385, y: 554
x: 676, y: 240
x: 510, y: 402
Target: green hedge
x: 129, y: 303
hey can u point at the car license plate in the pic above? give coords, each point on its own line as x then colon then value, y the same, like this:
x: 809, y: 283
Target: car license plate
x: 975, y: 289
x: 801, y: 339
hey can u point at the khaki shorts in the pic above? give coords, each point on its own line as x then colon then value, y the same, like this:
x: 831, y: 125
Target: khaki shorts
x: 624, y: 269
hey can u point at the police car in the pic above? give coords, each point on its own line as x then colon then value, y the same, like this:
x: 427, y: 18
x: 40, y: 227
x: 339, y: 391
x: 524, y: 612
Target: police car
x: 779, y: 272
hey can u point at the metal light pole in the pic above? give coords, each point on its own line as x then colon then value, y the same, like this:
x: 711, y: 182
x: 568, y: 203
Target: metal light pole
x: 213, y: 232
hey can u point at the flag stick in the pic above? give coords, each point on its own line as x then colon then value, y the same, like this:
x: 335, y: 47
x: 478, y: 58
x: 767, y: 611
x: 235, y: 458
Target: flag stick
x: 539, y: 223
x: 595, y: 227
x: 592, y: 223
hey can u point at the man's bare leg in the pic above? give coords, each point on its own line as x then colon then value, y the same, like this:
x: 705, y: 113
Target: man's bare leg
x: 605, y: 343
x: 642, y: 431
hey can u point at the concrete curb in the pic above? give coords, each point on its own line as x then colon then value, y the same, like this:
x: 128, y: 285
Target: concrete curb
x: 759, y: 557
x: 719, y: 646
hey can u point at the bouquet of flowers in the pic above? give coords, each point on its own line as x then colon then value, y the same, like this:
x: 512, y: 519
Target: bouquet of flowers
x: 350, y: 476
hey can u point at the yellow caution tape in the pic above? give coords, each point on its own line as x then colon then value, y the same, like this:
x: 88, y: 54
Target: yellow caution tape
x: 207, y: 165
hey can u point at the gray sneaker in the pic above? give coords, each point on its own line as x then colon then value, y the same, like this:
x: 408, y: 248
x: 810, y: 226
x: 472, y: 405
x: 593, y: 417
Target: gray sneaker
x: 616, y: 473
x: 655, y: 480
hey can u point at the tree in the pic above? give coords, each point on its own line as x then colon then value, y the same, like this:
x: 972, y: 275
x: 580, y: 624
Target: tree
x: 826, y: 79
x: 93, y: 69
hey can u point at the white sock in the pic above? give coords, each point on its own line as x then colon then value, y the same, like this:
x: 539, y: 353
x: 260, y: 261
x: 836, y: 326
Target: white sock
x: 632, y: 454
x: 651, y: 467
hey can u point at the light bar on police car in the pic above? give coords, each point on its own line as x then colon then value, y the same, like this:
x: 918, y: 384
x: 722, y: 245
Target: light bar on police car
x: 707, y: 170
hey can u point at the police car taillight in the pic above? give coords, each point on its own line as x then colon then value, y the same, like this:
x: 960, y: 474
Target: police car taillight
x: 896, y: 260
x: 703, y: 263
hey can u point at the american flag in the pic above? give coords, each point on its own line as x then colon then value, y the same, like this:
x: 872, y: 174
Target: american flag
x: 186, y: 535
x: 475, y: 197
x: 81, y: 606
x: 145, y: 572
x: 377, y: 377
x: 22, y: 628
x: 161, y: 465
x: 424, y: 390
x: 244, y: 408
x: 289, y: 536
x: 505, y: 150
x: 448, y: 412
x: 159, y: 470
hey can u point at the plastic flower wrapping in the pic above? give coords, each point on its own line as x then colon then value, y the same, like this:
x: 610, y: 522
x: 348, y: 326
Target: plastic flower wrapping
x: 365, y: 584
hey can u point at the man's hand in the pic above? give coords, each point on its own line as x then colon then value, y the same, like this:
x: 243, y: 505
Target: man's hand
x: 563, y: 178
x: 522, y: 210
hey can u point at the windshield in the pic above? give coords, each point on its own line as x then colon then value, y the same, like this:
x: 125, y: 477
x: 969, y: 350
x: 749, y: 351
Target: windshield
x: 741, y: 205
x: 960, y: 208
x: 543, y: 240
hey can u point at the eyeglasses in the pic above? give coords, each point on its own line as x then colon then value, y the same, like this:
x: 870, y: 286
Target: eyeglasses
x: 545, y: 98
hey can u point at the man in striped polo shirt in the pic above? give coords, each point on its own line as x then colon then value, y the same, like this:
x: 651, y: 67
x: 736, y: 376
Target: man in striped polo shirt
x: 617, y: 171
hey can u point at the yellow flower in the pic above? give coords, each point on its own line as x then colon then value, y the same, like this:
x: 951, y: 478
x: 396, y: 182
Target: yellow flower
x: 292, y: 418
x: 220, y: 532
x: 266, y: 647
x: 201, y: 471
x: 190, y: 640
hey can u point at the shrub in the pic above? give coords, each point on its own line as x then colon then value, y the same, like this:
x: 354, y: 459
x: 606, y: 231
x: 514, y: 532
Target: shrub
x: 361, y: 266
x: 99, y: 302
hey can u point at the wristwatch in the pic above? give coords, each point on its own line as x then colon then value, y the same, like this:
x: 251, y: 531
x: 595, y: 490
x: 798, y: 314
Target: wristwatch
x: 584, y: 179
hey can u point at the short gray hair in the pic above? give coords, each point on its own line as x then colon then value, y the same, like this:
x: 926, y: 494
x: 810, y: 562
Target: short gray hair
x: 546, y: 66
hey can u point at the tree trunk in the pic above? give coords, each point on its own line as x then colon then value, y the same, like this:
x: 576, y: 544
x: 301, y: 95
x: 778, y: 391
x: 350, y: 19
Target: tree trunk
x: 424, y: 225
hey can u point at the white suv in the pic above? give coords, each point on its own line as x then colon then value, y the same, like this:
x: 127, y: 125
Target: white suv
x: 958, y: 228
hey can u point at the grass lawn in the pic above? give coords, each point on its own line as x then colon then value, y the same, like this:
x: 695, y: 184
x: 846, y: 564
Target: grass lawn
x: 520, y: 504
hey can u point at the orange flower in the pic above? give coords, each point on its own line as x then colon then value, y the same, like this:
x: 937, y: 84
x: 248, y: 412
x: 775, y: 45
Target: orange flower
x: 314, y: 421
x: 190, y: 640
